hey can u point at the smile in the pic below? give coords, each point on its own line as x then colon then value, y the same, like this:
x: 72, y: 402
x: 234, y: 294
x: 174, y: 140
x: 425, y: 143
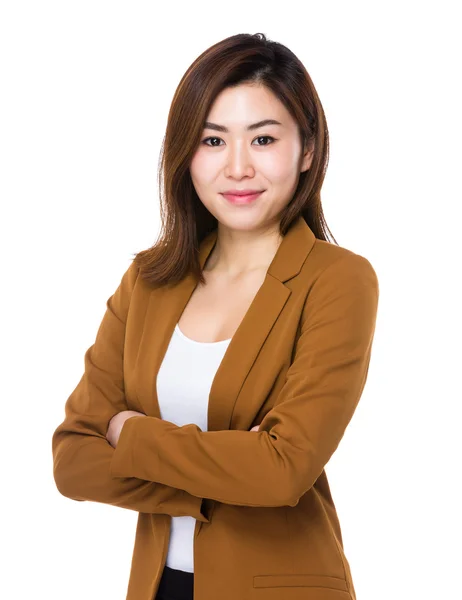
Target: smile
x: 247, y: 199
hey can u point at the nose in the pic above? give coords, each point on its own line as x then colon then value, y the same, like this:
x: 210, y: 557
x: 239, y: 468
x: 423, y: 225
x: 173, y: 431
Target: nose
x: 238, y: 162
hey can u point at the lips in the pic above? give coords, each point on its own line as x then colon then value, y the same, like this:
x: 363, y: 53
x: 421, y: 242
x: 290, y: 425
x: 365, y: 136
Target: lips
x: 242, y: 192
x: 239, y: 198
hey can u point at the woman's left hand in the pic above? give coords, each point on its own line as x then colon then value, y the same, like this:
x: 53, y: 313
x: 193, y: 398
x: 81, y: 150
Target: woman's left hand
x: 116, y: 424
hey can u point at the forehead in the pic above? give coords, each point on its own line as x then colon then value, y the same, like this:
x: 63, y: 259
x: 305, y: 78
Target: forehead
x: 243, y: 105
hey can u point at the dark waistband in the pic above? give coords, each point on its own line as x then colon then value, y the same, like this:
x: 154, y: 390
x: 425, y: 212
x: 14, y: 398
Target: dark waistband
x: 177, y: 584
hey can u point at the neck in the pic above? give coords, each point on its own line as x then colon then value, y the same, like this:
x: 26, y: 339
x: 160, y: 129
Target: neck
x: 240, y: 252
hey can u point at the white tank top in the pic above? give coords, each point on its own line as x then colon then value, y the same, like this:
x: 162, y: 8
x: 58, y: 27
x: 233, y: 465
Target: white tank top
x: 183, y: 386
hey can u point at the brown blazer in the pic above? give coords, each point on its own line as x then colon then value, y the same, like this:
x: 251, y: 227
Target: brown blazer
x: 267, y: 527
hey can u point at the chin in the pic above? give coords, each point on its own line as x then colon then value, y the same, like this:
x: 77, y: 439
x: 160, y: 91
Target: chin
x: 240, y: 223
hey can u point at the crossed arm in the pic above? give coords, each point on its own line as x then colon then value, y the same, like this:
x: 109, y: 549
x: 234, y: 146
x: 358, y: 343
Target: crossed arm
x: 157, y: 466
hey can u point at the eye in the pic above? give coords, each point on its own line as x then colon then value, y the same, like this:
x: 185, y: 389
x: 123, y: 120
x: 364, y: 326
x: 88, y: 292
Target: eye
x: 260, y: 137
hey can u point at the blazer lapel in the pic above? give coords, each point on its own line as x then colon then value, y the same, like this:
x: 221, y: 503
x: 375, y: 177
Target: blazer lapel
x: 166, y: 305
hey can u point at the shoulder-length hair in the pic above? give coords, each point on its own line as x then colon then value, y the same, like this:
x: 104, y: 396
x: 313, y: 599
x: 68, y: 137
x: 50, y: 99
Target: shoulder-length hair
x: 185, y: 222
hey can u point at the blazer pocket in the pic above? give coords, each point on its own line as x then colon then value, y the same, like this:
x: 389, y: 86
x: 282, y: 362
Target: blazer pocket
x: 324, y: 581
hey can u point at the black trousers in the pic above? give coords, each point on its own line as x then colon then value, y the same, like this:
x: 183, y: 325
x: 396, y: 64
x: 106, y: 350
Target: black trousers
x: 175, y: 585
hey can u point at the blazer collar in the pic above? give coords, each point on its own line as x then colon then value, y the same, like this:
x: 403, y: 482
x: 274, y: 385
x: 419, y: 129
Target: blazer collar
x: 166, y: 305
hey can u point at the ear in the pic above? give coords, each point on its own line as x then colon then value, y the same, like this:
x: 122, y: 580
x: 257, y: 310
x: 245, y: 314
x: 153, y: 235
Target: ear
x: 307, y: 157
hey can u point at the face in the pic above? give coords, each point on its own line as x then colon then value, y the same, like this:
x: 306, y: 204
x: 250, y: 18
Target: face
x: 235, y: 155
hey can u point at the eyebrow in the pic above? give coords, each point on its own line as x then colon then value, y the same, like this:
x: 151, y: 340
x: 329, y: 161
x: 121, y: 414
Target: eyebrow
x: 215, y: 127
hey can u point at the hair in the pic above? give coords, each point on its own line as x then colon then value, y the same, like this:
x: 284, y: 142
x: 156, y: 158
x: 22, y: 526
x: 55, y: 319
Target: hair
x: 185, y: 221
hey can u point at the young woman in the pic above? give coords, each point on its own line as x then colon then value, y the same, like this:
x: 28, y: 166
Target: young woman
x: 234, y: 352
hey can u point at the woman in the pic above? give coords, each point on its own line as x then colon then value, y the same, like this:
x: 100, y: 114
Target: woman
x: 233, y: 353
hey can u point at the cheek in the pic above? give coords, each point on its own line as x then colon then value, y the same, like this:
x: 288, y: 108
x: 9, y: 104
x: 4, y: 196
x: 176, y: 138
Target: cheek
x: 279, y: 167
x: 202, y: 166
x: 280, y: 163
x: 194, y: 167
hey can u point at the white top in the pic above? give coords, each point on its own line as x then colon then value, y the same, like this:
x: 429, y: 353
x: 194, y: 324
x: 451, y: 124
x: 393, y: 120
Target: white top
x: 183, y: 386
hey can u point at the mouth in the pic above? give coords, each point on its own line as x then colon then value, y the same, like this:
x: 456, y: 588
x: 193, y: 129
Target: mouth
x: 242, y: 199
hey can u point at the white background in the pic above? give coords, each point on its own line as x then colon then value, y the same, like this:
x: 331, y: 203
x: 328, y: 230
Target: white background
x: 85, y: 92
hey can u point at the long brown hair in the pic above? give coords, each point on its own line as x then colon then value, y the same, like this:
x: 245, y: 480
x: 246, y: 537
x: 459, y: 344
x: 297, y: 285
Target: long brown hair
x: 241, y: 58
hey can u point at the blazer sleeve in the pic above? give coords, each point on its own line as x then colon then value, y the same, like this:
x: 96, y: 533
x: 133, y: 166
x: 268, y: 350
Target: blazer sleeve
x: 81, y: 453
x: 278, y: 464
